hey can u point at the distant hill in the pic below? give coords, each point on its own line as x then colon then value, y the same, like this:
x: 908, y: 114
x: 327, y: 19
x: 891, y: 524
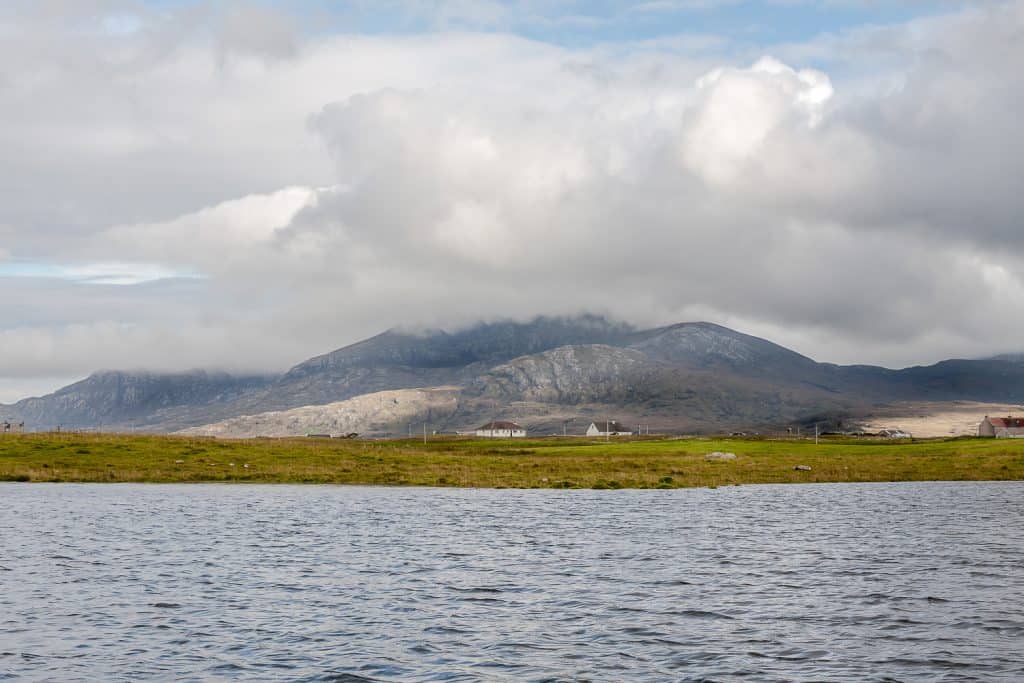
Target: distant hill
x: 131, y: 399
x: 544, y: 373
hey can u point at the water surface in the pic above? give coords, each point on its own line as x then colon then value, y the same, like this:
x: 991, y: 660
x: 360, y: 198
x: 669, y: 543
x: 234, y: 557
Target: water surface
x: 857, y: 582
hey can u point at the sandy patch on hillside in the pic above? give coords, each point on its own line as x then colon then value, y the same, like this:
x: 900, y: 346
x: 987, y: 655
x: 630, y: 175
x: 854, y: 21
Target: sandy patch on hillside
x: 954, y: 418
x: 366, y: 413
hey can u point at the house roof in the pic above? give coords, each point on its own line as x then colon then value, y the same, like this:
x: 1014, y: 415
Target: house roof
x: 612, y: 426
x: 1008, y: 422
x: 498, y: 424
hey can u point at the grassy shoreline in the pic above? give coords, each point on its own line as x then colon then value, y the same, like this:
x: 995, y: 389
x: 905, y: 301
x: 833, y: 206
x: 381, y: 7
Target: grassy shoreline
x: 538, y: 463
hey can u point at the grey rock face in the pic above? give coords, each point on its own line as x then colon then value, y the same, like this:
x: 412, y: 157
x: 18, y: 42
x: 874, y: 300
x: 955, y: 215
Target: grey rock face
x: 707, y: 345
x: 566, y: 375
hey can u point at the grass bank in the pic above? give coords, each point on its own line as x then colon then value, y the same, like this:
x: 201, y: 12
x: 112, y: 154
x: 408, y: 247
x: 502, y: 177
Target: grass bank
x: 542, y: 463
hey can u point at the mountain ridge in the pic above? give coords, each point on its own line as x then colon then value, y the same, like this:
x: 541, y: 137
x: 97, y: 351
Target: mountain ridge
x: 691, y: 375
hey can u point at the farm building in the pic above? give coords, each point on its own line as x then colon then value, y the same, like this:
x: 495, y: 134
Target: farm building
x: 608, y: 428
x: 501, y: 429
x: 1002, y: 427
x: 15, y: 427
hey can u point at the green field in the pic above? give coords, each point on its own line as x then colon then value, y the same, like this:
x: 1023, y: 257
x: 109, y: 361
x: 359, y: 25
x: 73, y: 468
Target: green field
x: 542, y: 463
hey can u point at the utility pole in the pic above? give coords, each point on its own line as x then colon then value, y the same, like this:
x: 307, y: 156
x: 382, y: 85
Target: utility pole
x: 607, y: 433
x: 815, y: 433
x: 424, y: 432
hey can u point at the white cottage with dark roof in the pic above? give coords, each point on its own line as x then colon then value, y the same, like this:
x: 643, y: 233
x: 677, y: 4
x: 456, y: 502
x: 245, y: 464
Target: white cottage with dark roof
x: 501, y: 429
x: 608, y: 428
x: 1008, y: 427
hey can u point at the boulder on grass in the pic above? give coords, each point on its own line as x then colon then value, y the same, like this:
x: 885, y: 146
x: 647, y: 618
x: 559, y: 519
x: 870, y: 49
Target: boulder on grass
x: 719, y: 455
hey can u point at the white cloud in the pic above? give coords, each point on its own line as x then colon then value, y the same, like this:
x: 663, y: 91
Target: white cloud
x: 350, y: 183
x: 211, y: 237
x: 740, y: 108
x: 256, y: 31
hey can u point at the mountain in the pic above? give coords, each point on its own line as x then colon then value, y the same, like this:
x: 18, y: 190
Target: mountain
x: 397, y: 360
x: 485, y: 343
x: 137, y: 399
x: 684, y: 377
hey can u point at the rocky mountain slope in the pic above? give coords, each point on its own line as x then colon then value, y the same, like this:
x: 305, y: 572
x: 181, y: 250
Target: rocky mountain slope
x: 689, y: 376
x: 137, y: 399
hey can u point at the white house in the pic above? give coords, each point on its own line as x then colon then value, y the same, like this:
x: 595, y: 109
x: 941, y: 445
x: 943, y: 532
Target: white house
x: 1002, y: 427
x: 607, y: 428
x: 500, y: 429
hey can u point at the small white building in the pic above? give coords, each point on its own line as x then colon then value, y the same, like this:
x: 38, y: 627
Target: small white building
x: 501, y: 429
x: 10, y: 426
x: 608, y: 428
x: 1002, y: 427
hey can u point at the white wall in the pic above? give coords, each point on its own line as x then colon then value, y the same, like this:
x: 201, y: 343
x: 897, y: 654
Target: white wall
x: 598, y: 430
x: 501, y: 433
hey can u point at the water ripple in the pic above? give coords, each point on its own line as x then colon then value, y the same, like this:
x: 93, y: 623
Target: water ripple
x: 879, y: 582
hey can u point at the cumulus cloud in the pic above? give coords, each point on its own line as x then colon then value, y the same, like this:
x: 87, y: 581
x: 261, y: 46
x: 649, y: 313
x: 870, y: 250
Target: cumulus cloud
x: 740, y: 108
x: 324, y: 188
x: 213, y: 237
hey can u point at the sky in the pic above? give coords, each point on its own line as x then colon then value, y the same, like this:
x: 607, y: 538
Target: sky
x: 241, y: 185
